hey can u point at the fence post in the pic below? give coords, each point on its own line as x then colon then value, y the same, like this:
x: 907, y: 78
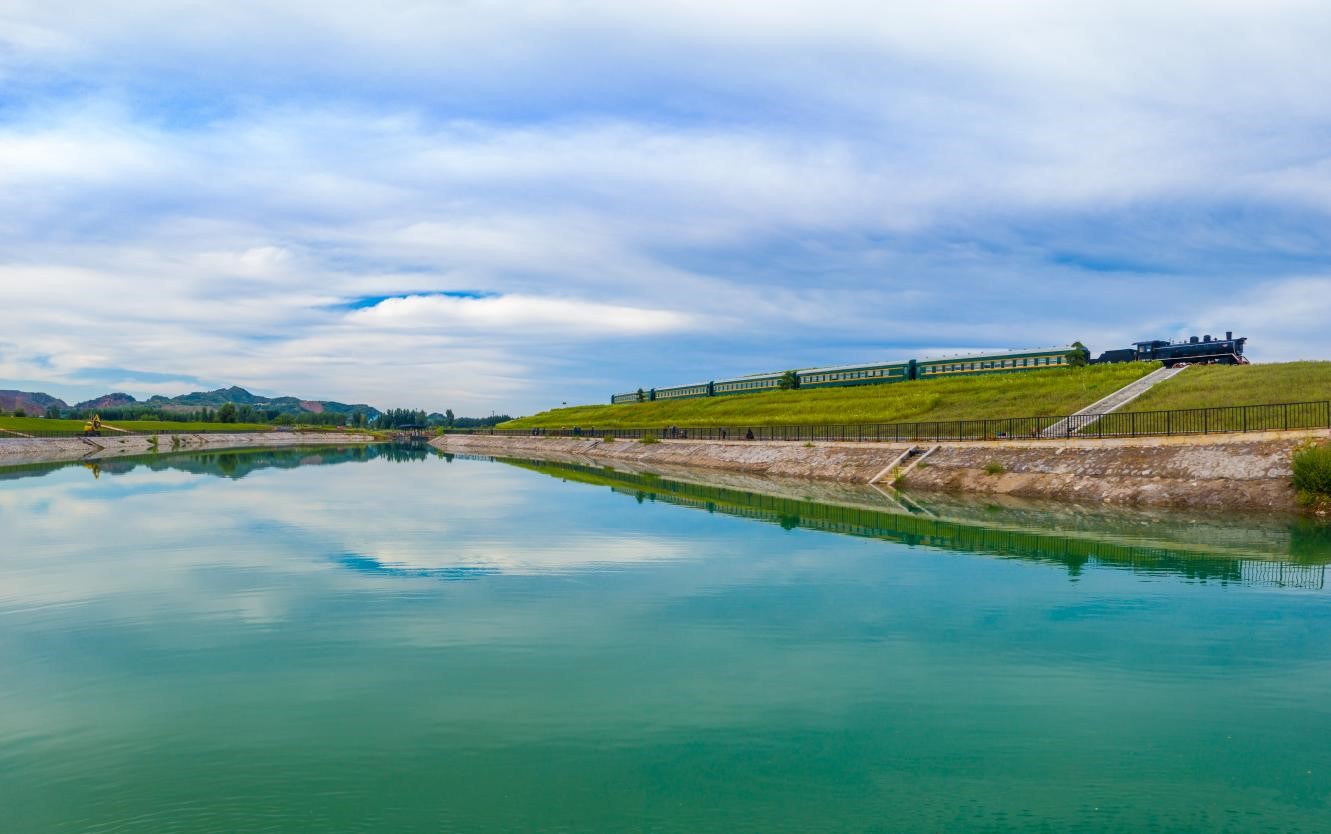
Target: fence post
x: 1286, y: 410
x: 1206, y: 421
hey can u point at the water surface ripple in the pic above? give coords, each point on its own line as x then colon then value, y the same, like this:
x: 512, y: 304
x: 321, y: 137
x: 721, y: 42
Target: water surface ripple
x: 387, y: 640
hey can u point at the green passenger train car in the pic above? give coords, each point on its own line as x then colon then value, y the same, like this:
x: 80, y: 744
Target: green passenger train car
x: 680, y: 392
x: 873, y: 373
x: 747, y: 384
x: 1024, y: 360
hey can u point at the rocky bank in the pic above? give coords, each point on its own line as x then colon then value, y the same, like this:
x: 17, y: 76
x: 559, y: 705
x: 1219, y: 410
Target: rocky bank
x: 16, y: 450
x: 1216, y: 472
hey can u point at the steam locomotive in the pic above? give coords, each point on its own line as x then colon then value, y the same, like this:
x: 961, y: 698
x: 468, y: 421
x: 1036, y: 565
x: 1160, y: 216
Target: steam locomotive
x: 1197, y: 350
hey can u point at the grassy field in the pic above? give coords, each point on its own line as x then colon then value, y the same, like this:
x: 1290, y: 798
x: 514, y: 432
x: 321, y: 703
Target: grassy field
x: 1215, y: 385
x: 41, y: 424
x: 1056, y: 391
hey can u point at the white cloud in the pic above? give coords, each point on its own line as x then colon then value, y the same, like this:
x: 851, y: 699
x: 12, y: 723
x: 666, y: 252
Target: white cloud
x: 522, y: 314
x: 1287, y: 318
x: 639, y: 186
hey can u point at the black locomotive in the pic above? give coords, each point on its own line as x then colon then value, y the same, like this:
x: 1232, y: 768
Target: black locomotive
x: 1197, y: 350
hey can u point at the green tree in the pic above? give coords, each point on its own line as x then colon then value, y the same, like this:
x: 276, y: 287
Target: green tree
x: 448, y: 417
x: 1077, y: 356
x: 18, y: 412
x: 789, y: 381
x: 53, y: 412
x: 642, y: 395
x: 227, y: 413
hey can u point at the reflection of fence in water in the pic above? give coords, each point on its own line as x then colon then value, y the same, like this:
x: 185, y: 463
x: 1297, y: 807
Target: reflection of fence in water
x: 1284, y: 575
x: 1072, y: 553
x: 915, y: 530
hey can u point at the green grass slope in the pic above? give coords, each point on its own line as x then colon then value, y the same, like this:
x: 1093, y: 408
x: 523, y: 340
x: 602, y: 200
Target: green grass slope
x: 1205, y: 386
x: 1056, y: 391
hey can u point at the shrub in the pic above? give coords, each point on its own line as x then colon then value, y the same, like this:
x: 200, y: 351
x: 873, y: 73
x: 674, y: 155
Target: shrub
x: 609, y: 438
x: 647, y: 438
x: 993, y: 467
x: 1312, y: 471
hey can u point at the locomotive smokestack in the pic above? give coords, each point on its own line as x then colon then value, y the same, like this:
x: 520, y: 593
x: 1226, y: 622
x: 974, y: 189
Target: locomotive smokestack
x: 1229, y: 335
x: 1193, y: 340
x: 1206, y: 338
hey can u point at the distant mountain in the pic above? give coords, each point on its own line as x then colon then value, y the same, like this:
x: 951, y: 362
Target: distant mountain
x: 239, y: 396
x: 116, y: 400
x: 33, y: 403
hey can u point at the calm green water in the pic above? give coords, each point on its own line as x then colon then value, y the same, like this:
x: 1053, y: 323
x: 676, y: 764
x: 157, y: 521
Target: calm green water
x: 403, y: 643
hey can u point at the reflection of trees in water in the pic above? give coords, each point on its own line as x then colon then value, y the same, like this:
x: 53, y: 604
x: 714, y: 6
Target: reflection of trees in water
x: 1309, y: 547
x: 237, y: 463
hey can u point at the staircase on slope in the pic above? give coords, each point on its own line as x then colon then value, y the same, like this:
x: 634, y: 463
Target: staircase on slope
x: 1114, y: 401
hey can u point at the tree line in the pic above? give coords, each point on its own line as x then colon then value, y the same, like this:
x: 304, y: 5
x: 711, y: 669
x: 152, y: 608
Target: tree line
x: 246, y: 413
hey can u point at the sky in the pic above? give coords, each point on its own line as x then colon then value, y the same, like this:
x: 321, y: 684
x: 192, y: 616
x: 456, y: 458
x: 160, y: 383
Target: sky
x: 497, y: 206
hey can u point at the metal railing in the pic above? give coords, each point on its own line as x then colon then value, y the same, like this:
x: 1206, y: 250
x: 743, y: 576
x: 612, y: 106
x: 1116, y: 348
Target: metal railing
x: 1219, y: 420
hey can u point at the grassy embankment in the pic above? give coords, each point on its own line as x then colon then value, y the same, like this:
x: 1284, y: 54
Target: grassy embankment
x: 42, y: 425
x: 1206, y: 386
x: 1056, y: 391
x: 1220, y: 386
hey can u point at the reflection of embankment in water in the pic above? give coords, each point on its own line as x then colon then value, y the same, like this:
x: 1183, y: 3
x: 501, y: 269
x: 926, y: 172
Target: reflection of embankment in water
x: 1287, y: 555
x: 232, y: 463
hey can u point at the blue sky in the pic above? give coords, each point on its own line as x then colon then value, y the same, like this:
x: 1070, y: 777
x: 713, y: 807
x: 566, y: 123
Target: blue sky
x: 494, y: 206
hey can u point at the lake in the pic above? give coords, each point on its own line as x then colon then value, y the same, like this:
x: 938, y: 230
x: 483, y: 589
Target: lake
x: 389, y: 640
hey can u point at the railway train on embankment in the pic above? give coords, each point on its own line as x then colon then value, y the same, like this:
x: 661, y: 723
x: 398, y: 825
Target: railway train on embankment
x: 1195, y: 350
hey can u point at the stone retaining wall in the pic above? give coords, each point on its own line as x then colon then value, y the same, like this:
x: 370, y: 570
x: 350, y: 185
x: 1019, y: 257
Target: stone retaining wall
x: 1238, y: 471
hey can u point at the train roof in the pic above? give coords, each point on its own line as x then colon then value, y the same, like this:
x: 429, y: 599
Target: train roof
x: 831, y: 368
x: 999, y: 353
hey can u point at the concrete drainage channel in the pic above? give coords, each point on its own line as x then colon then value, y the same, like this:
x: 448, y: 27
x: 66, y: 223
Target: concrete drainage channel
x: 911, y: 458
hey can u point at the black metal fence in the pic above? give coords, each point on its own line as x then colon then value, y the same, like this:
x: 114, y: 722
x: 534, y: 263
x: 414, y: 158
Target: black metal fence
x: 1224, y: 419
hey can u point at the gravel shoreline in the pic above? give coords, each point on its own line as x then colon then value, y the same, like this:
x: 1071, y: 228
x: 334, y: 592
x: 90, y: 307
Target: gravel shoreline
x: 22, y: 450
